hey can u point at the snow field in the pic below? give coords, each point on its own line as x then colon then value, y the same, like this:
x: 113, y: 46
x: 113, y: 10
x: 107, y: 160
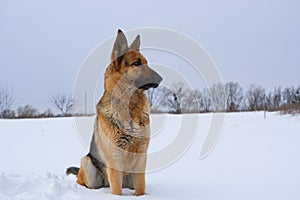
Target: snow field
x: 255, y: 158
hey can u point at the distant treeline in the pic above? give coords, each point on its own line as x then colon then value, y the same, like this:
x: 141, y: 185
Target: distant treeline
x: 62, y: 103
x: 228, y: 97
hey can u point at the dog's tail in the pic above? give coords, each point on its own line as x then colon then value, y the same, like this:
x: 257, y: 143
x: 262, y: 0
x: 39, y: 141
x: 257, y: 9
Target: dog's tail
x: 72, y: 170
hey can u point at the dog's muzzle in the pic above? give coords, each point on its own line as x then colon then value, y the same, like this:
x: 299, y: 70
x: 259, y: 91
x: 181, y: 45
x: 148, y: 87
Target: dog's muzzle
x: 150, y: 82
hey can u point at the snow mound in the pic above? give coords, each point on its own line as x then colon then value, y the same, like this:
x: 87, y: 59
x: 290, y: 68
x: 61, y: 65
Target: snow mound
x: 49, y: 187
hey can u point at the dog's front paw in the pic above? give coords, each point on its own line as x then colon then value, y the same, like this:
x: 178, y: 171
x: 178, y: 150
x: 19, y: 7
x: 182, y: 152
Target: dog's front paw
x: 140, y: 192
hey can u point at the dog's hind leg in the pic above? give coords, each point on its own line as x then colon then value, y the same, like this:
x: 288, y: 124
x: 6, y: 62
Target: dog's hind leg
x: 89, y: 175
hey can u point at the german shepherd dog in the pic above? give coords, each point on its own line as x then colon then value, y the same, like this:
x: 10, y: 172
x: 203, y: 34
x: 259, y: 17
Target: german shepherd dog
x: 118, y: 150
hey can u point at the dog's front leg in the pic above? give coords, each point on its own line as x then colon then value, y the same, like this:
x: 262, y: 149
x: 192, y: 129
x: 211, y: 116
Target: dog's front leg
x: 115, y: 181
x: 139, y: 181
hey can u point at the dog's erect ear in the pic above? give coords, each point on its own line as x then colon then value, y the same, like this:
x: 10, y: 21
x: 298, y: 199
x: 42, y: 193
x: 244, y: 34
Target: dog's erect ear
x: 136, y: 43
x: 120, y: 46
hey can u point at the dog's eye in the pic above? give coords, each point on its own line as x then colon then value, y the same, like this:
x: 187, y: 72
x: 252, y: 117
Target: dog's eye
x: 137, y: 63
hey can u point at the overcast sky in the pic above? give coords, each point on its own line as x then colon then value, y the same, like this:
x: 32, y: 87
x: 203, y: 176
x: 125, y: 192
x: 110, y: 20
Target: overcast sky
x: 43, y: 43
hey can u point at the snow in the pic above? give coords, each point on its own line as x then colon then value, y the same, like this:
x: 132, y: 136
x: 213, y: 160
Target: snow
x: 255, y: 158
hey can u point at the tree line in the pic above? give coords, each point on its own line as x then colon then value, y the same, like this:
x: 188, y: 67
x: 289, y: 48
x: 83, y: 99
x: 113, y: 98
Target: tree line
x: 228, y: 97
x: 62, y: 103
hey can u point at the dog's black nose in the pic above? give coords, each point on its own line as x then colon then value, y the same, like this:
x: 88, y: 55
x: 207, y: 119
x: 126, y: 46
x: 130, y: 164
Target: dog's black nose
x: 157, y: 79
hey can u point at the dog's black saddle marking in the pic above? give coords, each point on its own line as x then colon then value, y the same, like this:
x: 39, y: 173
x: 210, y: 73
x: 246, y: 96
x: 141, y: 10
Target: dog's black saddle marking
x: 98, y: 164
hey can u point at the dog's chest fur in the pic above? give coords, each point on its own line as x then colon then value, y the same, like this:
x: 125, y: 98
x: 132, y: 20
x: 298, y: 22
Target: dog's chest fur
x: 126, y: 124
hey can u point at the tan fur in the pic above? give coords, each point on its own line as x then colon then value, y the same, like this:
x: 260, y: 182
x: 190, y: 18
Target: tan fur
x: 88, y: 175
x: 81, y: 178
x: 122, y: 131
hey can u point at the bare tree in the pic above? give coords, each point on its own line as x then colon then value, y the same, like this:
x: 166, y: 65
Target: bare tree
x: 296, y: 96
x: 6, y: 100
x: 255, y: 98
x: 277, y: 98
x: 287, y: 95
x: 167, y: 104
x: 63, y: 103
x: 172, y: 98
x: 178, y: 93
x: 47, y: 113
x: 203, y: 100
x: 269, y: 101
x: 291, y: 97
x: 217, y: 94
x: 234, y: 96
x: 190, y: 102
x: 155, y: 97
x: 8, y: 114
x: 27, y: 112
x: 166, y: 100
